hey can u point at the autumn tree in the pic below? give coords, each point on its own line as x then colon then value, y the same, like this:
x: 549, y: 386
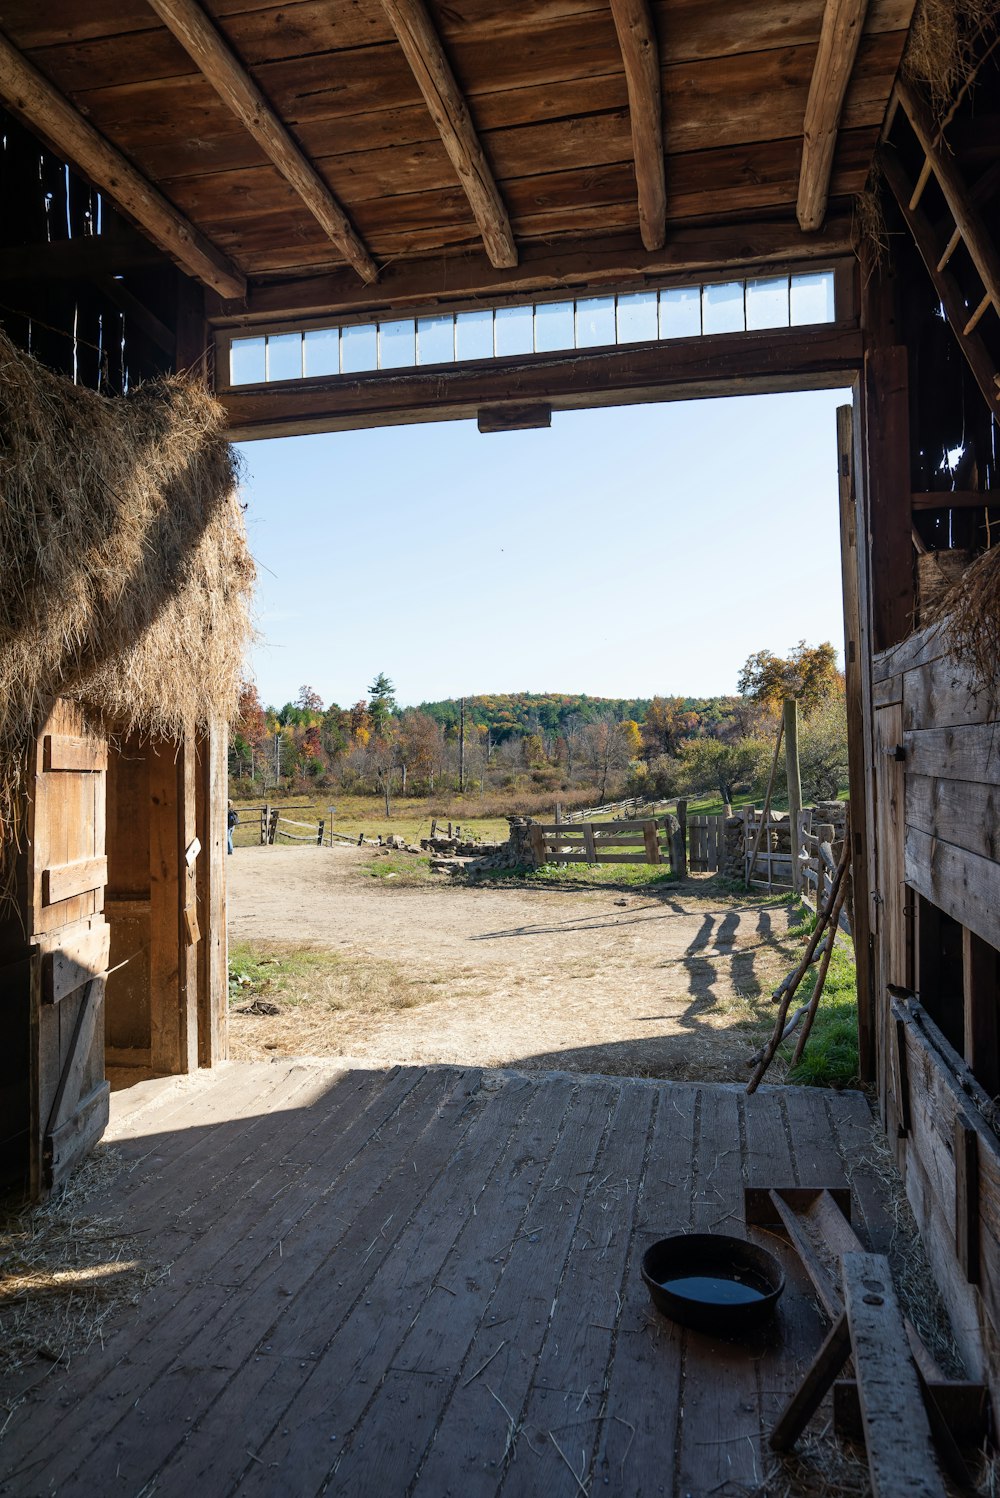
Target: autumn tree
x: 712, y: 765
x: 309, y: 700
x: 809, y: 673
x: 607, y: 751
x: 667, y: 722
x: 381, y: 701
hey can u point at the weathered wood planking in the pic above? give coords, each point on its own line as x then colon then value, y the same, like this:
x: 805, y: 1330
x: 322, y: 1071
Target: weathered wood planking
x: 901, y: 1456
x: 964, y: 885
x: 70, y: 751
x: 969, y: 751
x: 78, y: 959
x: 963, y: 812
x: 940, y: 694
x: 452, y: 1247
x: 63, y: 881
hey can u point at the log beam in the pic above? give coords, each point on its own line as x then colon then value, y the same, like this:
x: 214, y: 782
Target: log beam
x: 30, y: 95
x: 444, y: 99
x: 641, y: 56
x: 212, y: 54
x: 843, y: 23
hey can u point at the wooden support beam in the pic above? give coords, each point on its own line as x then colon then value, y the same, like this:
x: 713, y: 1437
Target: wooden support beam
x: 976, y: 353
x: 843, y: 23
x: 889, y: 523
x: 955, y: 499
x: 684, y: 369
x: 973, y: 231
x: 30, y: 95
x: 430, y: 67
x: 641, y: 56
x: 514, y: 418
x: 231, y: 81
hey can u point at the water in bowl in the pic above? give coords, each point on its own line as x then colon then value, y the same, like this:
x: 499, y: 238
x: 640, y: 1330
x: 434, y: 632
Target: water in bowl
x: 714, y: 1290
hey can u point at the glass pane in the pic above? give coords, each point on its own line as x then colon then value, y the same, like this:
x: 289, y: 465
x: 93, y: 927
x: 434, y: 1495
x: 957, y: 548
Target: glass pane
x: 358, y: 348
x: 322, y: 351
x: 680, y: 312
x: 284, y: 356
x: 595, y: 322
x: 812, y: 298
x: 246, y: 361
x: 553, y: 327
x: 767, y: 303
x: 722, y: 308
x: 474, y: 335
x: 637, y: 317
x: 436, y: 340
x: 397, y: 344
x: 514, y: 330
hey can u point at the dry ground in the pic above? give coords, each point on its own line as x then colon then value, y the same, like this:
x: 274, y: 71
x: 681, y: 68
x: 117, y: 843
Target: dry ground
x: 672, y: 982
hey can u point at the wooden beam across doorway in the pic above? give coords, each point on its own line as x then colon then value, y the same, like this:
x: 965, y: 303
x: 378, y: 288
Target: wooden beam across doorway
x: 843, y: 23
x: 616, y: 261
x: 30, y: 95
x: 444, y: 99
x: 225, y: 72
x: 782, y: 359
x: 641, y: 56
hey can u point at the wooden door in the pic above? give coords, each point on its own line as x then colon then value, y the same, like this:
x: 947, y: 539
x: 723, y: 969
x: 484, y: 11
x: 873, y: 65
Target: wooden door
x: 69, y: 944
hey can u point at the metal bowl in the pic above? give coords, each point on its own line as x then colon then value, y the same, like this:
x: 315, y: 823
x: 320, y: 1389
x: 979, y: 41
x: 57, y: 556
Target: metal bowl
x: 712, y: 1282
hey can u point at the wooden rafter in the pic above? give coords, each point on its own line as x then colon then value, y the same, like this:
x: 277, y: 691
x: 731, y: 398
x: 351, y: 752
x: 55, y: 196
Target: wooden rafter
x: 231, y: 81
x: 843, y: 23
x: 30, y: 95
x: 430, y: 67
x: 641, y: 56
x: 947, y: 288
x: 968, y: 223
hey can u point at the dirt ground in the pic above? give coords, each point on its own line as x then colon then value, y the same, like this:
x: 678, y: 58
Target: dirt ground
x: 672, y: 982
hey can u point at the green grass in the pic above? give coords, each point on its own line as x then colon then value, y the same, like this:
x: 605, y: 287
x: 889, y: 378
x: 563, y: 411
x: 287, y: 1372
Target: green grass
x: 256, y: 971
x: 830, y: 1058
x: 404, y: 866
x: 591, y: 875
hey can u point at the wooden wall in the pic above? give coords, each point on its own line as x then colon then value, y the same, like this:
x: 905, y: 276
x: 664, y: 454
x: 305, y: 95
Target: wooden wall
x: 937, y: 775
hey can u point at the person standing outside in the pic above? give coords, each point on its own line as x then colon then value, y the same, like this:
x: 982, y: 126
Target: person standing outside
x: 232, y: 818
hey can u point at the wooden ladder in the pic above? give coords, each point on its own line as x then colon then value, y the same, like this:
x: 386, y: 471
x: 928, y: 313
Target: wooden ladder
x: 968, y: 285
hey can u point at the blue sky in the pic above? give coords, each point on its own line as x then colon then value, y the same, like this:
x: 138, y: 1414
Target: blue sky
x: 623, y: 552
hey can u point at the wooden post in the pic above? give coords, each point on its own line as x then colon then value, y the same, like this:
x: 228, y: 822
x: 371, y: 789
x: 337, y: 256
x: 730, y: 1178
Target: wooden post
x: 682, y: 818
x: 790, y: 718
x: 588, y: 842
x: 265, y: 822
x: 649, y: 837
x: 536, y: 837
x: 319, y: 835
x: 558, y: 813
x: 434, y: 823
x: 857, y: 678
x: 890, y: 516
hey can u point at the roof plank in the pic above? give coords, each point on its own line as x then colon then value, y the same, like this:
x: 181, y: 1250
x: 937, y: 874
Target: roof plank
x: 33, y: 99
x: 641, y: 56
x: 450, y: 113
x: 840, y: 37
x: 208, y: 49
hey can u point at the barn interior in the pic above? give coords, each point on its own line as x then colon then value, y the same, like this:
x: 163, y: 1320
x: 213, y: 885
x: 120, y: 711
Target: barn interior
x: 333, y: 216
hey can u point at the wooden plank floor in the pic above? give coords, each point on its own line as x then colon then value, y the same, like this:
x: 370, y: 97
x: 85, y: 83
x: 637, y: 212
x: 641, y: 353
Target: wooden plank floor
x: 425, y: 1281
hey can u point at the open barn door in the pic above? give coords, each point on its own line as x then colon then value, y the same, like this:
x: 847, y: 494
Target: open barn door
x: 69, y: 945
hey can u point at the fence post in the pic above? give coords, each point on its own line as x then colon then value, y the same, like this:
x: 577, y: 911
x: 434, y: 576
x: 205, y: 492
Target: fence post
x: 652, y: 846
x: 319, y: 835
x: 790, y: 718
x: 272, y: 831
x: 536, y: 837
x: 434, y: 822
x: 588, y: 842
x: 558, y: 813
x: 682, y: 836
x: 265, y: 814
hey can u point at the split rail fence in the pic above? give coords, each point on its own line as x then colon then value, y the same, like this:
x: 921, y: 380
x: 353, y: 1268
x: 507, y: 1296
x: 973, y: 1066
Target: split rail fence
x: 645, y: 841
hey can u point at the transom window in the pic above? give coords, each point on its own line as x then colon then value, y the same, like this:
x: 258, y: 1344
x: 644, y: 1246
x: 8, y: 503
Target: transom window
x: 589, y: 322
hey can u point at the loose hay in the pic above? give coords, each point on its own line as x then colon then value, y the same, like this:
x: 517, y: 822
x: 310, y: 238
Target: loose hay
x: 970, y: 613
x: 947, y: 44
x: 66, y: 1268
x: 126, y: 574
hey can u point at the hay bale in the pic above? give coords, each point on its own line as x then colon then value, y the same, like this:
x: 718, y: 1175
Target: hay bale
x: 969, y: 611
x: 937, y: 574
x: 126, y: 581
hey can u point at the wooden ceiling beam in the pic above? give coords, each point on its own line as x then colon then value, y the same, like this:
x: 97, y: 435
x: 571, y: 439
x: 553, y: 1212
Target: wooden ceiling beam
x: 444, y: 99
x: 573, y: 267
x: 641, y: 56
x: 840, y: 35
x: 30, y: 95
x: 222, y: 68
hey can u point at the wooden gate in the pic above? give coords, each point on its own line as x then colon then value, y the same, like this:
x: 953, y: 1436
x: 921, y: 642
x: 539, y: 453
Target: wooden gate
x: 67, y: 871
x: 706, y: 842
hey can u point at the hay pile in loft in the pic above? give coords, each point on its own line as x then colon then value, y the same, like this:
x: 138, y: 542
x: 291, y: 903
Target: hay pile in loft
x: 125, y: 579
x: 970, y: 613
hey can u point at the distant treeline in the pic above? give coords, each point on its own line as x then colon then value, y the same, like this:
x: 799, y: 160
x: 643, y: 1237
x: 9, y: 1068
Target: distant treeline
x: 509, y: 714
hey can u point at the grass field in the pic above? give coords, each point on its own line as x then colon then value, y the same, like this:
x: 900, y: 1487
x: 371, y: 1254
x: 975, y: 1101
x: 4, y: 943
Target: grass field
x: 365, y: 815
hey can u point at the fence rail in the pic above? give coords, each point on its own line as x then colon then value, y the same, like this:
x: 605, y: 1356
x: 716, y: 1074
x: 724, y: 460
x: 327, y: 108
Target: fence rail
x: 647, y: 841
